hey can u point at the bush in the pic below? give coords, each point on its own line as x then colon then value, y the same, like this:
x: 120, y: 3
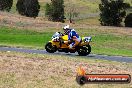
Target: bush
x: 128, y: 20
x: 48, y: 11
x: 55, y: 10
x: 29, y: 8
x: 112, y: 12
x: 5, y: 5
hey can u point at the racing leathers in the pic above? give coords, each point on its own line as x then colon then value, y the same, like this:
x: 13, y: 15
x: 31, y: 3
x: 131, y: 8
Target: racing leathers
x: 74, y: 38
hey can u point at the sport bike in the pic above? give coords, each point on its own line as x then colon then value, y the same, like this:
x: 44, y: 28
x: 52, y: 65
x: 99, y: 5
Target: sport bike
x: 57, y: 44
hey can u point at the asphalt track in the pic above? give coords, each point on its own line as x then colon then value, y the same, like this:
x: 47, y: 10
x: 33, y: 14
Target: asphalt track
x: 94, y: 56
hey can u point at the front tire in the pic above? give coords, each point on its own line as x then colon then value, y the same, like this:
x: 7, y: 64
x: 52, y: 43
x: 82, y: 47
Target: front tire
x: 50, y: 48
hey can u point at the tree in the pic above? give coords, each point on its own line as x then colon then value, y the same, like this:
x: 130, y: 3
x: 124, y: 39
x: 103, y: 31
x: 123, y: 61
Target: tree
x: 48, y: 11
x: 71, y: 12
x: 128, y: 20
x: 55, y: 10
x: 112, y: 12
x: 29, y: 8
x: 5, y: 5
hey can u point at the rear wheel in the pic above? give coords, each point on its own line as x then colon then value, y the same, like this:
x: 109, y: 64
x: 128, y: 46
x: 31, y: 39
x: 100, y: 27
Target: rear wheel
x: 84, y: 50
x: 89, y: 49
x: 50, y: 48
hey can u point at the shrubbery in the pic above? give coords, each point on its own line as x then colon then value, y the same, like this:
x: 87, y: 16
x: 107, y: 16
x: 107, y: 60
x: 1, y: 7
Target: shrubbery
x: 5, y: 5
x: 55, y: 10
x: 29, y: 8
x: 128, y: 20
x: 112, y: 12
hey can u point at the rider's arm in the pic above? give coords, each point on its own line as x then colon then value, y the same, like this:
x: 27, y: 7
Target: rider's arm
x: 69, y: 36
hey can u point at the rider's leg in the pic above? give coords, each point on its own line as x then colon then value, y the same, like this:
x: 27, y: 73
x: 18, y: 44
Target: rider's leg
x: 77, y: 41
x: 71, y: 45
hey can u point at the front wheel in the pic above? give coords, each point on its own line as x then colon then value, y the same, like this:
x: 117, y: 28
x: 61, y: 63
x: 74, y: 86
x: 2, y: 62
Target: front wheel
x: 84, y: 50
x: 50, y: 48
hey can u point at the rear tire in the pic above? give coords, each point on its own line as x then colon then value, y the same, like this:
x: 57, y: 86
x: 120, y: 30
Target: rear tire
x: 49, y: 48
x: 89, y: 49
x: 84, y: 50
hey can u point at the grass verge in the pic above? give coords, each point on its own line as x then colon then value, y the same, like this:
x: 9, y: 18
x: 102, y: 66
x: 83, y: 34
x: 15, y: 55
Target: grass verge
x: 110, y: 42
x: 54, y: 71
x: 24, y: 38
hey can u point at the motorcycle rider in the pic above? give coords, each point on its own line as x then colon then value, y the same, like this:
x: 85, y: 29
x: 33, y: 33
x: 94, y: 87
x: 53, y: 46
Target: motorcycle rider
x: 73, y: 38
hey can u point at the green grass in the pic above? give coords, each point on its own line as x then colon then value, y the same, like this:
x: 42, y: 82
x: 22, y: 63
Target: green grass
x: 103, y: 42
x: 12, y: 36
x: 112, y: 45
x: 109, y: 42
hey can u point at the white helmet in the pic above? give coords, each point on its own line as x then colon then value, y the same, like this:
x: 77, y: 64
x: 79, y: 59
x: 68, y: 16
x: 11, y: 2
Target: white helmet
x: 66, y: 27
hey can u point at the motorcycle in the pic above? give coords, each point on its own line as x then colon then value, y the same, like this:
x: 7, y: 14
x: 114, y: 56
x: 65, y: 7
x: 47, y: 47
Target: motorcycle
x: 57, y: 44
